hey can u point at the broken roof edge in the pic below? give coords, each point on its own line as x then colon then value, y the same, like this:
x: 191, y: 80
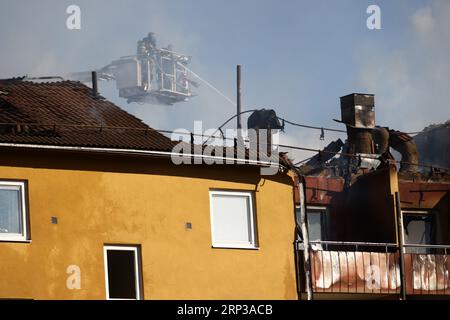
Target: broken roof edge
x: 424, y: 177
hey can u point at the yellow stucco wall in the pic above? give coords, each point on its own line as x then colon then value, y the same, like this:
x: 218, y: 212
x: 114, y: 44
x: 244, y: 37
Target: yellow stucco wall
x: 140, y: 201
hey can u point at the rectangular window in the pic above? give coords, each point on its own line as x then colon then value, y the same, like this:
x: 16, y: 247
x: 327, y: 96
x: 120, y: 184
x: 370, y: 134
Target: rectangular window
x: 123, y: 279
x: 316, y: 217
x: 418, y: 227
x: 232, y: 219
x: 13, y: 211
x: 315, y: 225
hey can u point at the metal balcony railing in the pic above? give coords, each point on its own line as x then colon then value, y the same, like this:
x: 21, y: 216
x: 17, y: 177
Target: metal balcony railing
x: 427, y: 269
x: 367, y: 267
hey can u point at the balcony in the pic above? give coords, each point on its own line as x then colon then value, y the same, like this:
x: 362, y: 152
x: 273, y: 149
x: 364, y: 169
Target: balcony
x: 374, y: 268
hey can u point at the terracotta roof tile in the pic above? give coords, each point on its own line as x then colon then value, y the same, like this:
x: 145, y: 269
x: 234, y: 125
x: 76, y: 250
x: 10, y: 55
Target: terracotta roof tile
x: 67, y: 113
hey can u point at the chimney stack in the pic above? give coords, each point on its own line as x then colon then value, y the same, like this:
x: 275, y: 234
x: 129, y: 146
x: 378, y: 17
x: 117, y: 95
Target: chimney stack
x: 357, y: 112
x: 94, y: 84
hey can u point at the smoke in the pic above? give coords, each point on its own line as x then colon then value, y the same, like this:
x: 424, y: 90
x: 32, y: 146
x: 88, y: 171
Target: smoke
x: 410, y: 80
x: 38, y: 43
x: 289, y: 53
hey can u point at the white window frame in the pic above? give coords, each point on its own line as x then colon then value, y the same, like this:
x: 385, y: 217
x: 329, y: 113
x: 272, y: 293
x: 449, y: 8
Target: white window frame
x: 322, y: 210
x: 137, y: 269
x: 19, y: 237
x: 234, y: 244
x: 416, y: 212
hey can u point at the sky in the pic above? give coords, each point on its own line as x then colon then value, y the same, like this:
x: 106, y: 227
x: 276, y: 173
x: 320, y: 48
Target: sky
x: 297, y: 57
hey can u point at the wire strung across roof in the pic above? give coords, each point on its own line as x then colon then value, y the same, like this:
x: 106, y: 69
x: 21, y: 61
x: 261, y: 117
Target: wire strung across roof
x: 144, y: 130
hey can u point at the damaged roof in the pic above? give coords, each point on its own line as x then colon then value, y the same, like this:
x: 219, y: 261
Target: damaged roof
x: 66, y: 113
x: 423, y: 194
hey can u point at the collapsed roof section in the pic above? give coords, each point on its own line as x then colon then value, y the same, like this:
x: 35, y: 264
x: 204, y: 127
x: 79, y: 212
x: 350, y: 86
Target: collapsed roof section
x: 433, y: 144
x: 368, y: 147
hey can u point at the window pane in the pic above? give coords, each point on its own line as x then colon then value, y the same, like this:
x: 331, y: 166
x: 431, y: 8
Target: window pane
x: 232, y: 218
x: 315, y: 226
x: 417, y: 231
x: 121, y: 274
x: 10, y: 211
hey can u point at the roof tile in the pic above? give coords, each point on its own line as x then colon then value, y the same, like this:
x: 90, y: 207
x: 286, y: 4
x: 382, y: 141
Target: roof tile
x: 67, y: 113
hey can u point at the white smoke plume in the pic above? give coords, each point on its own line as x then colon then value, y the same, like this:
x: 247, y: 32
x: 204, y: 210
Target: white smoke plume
x: 411, y: 81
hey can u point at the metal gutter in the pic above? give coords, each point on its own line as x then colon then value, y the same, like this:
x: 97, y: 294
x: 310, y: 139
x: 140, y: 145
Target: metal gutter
x: 137, y: 152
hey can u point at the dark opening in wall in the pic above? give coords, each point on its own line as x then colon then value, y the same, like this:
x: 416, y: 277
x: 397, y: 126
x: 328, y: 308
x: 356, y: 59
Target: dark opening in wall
x: 122, y: 273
